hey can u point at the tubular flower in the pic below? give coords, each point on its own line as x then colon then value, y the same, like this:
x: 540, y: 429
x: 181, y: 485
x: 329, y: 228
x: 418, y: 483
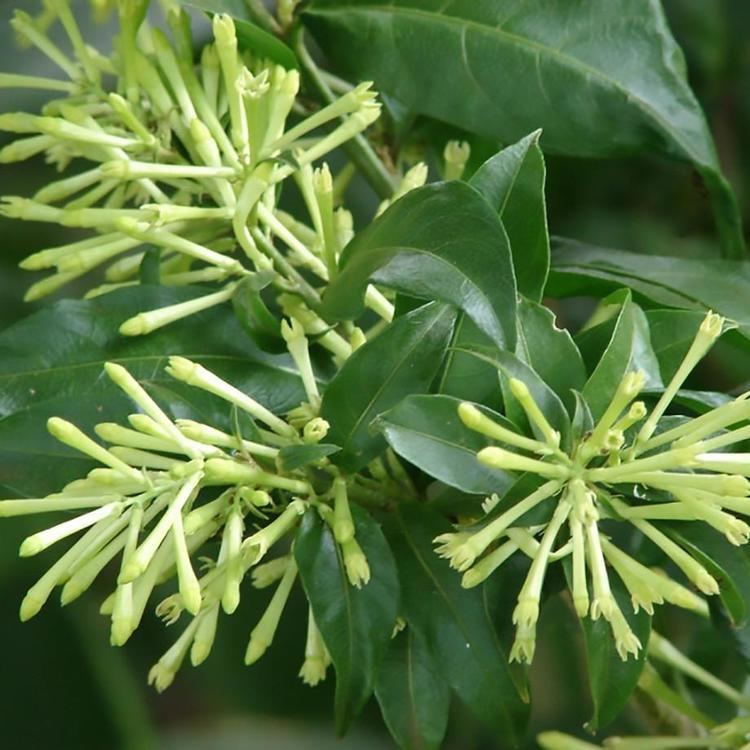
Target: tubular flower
x: 163, y: 489
x: 620, y: 471
x: 182, y: 157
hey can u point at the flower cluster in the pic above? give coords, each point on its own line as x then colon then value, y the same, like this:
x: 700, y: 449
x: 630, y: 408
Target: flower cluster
x: 636, y: 475
x: 184, y: 158
x: 164, y: 489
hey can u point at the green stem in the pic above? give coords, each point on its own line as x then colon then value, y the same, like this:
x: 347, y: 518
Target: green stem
x: 357, y: 149
x: 262, y: 17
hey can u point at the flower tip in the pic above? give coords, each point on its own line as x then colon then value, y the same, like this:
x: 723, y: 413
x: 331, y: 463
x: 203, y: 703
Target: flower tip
x: 706, y: 582
x: 627, y: 644
x: 31, y: 546
x: 735, y: 485
x: 737, y: 532
x: 315, y: 430
x: 224, y: 29
x: 199, y: 651
x: 322, y: 180
x: 231, y: 599
x: 30, y: 606
x: 131, y: 570
x: 522, y: 650
x: 71, y: 591
x: 135, y: 326
x: 633, y: 382
x: 472, y: 578
x: 120, y: 632
x: 191, y: 598
x: 581, y: 605
x: 313, y: 670
x: 161, y: 677
x: 181, y: 368
x: 712, y: 325
x: 519, y: 389
x: 117, y: 373
x: 255, y: 649
x: 469, y: 414
x: 526, y: 613
x: 637, y: 411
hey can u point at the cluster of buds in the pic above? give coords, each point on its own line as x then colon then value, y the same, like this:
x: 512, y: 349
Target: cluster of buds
x: 166, y: 487
x: 617, y: 471
x: 185, y: 158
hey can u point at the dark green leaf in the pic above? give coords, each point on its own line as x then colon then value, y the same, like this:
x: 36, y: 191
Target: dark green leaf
x: 611, y: 679
x: 583, y: 422
x: 295, y: 456
x: 356, y: 624
x: 601, y: 79
x: 426, y: 431
x: 719, y: 285
x: 628, y: 349
x: 261, y: 325
x: 464, y: 376
x: 413, y: 696
x: 513, y: 183
x: 149, y: 270
x: 549, y: 351
x: 455, y: 624
x: 402, y: 360
x: 249, y: 36
x: 441, y: 241
x: 672, y: 333
x: 51, y: 364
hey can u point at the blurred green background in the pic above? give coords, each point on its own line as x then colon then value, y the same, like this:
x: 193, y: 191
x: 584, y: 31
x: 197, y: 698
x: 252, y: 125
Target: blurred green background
x: 63, y: 687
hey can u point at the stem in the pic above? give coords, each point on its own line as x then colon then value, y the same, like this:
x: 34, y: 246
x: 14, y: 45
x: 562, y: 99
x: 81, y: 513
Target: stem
x: 357, y: 149
x: 260, y: 15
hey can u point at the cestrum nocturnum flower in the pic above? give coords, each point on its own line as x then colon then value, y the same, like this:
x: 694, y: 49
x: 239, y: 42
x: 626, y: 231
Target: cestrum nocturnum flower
x: 186, y: 158
x: 165, y: 488
x: 630, y: 467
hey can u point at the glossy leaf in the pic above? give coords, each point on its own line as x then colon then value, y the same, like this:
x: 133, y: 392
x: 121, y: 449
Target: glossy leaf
x: 51, y: 364
x: 628, y: 349
x: 255, y: 317
x: 455, y: 624
x: 442, y: 241
x: 249, y: 36
x: 426, y: 431
x: 293, y: 457
x: 611, y: 679
x: 513, y: 183
x: 413, y: 696
x: 719, y: 285
x: 672, y: 333
x: 465, y: 376
x: 577, y: 69
x: 356, y: 624
x: 402, y: 360
x: 550, y: 351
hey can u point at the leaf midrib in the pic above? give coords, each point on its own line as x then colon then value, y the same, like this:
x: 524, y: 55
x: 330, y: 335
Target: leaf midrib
x: 533, y: 46
x: 144, y: 358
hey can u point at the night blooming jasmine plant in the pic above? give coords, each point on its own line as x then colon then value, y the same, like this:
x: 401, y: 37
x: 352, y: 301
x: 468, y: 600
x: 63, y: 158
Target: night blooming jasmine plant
x: 303, y: 372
